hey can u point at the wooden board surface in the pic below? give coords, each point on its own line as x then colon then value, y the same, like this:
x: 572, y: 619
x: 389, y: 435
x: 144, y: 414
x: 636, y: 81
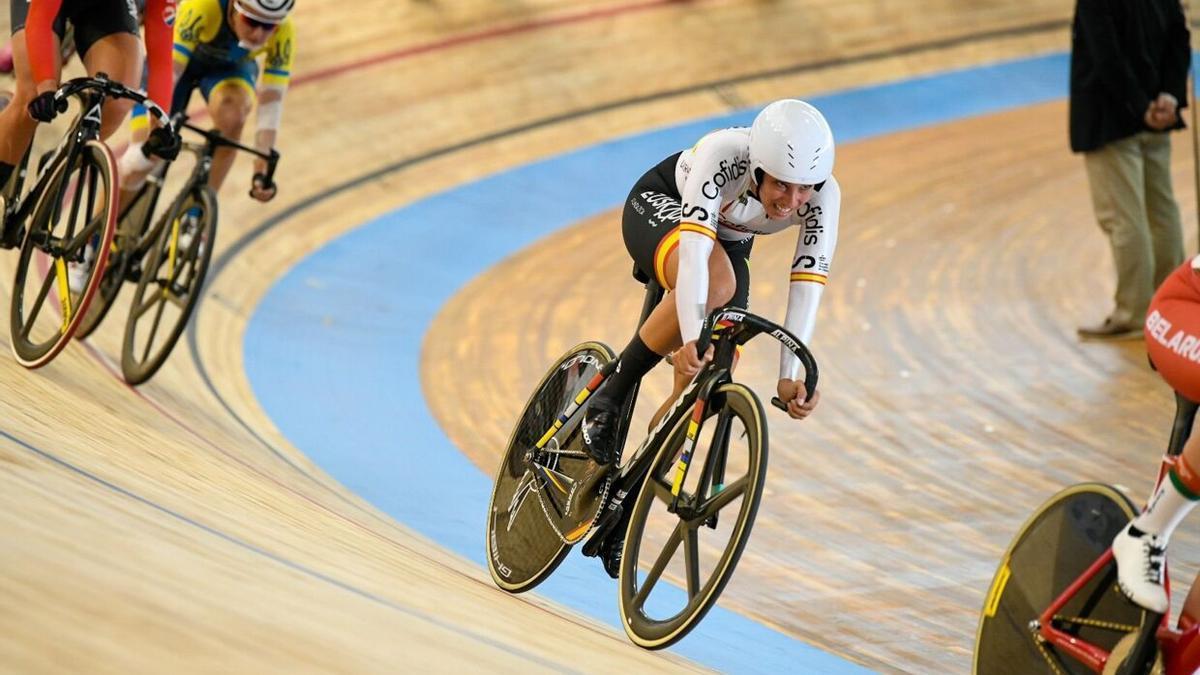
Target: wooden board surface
x: 178, y: 519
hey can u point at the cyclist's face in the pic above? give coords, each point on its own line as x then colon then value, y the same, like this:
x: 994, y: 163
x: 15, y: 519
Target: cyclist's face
x: 249, y: 31
x: 781, y: 199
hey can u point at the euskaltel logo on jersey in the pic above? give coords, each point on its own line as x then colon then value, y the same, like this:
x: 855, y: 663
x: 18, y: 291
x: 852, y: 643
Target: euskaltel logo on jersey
x: 727, y: 172
x: 666, y: 209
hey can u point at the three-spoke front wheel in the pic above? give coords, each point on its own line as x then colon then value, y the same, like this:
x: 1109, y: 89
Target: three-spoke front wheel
x: 70, y: 234
x: 170, y: 284
x: 676, y: 562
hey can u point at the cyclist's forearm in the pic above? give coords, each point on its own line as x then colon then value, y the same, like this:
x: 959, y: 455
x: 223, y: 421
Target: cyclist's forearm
x: 264, y: 141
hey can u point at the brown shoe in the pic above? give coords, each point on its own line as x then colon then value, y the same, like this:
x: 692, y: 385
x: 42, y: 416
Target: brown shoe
x: 1111, y: 330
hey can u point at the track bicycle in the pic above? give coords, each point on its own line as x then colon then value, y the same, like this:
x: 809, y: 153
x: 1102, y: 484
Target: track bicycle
x: 1054, y: 605
x: 167, y: 258
x: 67, y: 216
x: 682, y: 504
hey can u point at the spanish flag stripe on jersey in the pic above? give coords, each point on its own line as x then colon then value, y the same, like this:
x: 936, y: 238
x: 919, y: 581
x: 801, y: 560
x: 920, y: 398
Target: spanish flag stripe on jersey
x: 693, y: 227
x: 665, y: 245
x: 810, y: 276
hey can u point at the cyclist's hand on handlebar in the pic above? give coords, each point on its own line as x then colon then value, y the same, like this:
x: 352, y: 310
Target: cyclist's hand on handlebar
x: 688, y: 363
x: 45, y: 107
x: 262, y: 188
x: 792, y: 393
x: 162, y: 143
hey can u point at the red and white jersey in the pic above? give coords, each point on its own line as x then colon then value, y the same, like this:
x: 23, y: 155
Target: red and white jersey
x: 717, y: 196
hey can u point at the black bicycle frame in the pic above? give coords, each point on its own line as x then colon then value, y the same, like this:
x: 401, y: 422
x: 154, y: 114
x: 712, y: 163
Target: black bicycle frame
x: 91, y: 92
x: 200, y: 173
x: 739, y: 328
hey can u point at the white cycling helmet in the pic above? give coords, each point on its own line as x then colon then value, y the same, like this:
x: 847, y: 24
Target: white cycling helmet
x: 267, y: 11
x: 791, y: 140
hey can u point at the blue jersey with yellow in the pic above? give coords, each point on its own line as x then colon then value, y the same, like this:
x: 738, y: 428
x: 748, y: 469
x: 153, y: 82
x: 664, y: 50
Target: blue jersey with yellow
x: 209, y: 51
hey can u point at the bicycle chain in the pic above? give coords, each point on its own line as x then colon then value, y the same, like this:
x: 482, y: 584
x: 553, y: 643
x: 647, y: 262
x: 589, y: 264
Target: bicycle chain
x: 1096, y: 623
x: 595, y: 518
x: 1050, y: 661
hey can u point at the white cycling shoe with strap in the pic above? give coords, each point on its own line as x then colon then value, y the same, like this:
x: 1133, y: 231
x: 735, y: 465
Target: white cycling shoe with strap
x: 1140, y: 564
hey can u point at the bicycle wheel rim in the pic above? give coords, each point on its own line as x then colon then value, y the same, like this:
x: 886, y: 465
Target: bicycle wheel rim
x: 124, y: 245
x: 95, y: 161
x: 1065, y: 535
x: 636, y: 595
x: 141, y: 359
x: 523, y: 548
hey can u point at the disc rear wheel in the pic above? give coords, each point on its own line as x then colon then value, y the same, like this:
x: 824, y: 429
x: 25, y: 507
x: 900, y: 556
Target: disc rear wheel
x: 1055, y: 546
x: 532, y: 518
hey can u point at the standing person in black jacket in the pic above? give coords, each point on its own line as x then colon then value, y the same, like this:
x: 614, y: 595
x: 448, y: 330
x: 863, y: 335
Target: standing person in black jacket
x: 1129, y: 65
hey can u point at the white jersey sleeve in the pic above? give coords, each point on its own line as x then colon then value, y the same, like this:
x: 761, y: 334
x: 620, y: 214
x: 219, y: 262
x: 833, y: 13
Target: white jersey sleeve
x: 815, y: 244
x: 707, y: 175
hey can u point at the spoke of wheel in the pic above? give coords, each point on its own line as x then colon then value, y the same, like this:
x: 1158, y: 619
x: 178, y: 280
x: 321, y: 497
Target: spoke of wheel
x: 74, y: 202
x: 660, y: 564
x: 726, y: 495
x: 177, y: 300
x: 64, y: 293
x: 153, y: 330
x: 153, y: 298
x: 661, y: 490
x: 47, y: 284
x: 691, y: 559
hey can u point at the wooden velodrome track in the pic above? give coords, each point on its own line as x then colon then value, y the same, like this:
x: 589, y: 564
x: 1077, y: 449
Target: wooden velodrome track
x: 174, y: 526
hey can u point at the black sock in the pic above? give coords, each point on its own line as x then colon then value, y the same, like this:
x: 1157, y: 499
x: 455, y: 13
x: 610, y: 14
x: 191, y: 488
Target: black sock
x: 635, y: 362
x: 6, y: 170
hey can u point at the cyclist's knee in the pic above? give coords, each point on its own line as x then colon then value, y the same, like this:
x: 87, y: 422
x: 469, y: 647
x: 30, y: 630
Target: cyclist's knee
x: 113, y: 115
x: 720, y: 290
x: 230, y: 108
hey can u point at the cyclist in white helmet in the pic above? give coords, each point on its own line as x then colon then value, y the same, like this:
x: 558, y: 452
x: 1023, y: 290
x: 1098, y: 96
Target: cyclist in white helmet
x: 690, y: 222
x: 218, y: 44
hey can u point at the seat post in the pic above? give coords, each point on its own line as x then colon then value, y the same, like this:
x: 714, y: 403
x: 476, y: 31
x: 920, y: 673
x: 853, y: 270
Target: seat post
x: 1181, y: 428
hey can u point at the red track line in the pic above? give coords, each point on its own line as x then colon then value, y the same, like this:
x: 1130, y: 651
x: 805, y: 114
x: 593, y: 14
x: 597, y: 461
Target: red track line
x: 486, y: 34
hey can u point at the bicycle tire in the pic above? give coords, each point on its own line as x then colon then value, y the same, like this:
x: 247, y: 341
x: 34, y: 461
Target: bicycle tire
x: 1063, y: 537
x: 658, y: 633
x: 33, y: 351
x: 523, y: 545
x: 124, y: 249
x: 166, y: 290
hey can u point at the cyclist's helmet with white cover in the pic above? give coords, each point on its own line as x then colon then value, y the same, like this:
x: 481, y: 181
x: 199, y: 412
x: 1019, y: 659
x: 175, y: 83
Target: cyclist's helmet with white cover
x: 267, y: 11
x: 791, y: 140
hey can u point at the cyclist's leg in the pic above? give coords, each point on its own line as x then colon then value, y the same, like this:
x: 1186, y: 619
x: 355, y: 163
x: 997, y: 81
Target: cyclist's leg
x: 16, y: 126
x: 1173, y: 345
x: 108, y: 43
x: 649, y: 225
x: 229, y: 102
x: 134, y: 166
x: 735, y: 261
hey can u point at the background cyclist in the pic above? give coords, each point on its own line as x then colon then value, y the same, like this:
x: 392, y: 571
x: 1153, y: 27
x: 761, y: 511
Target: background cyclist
x: 218, y: 44
x: 105, y: 33
x: 1172, y: 333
